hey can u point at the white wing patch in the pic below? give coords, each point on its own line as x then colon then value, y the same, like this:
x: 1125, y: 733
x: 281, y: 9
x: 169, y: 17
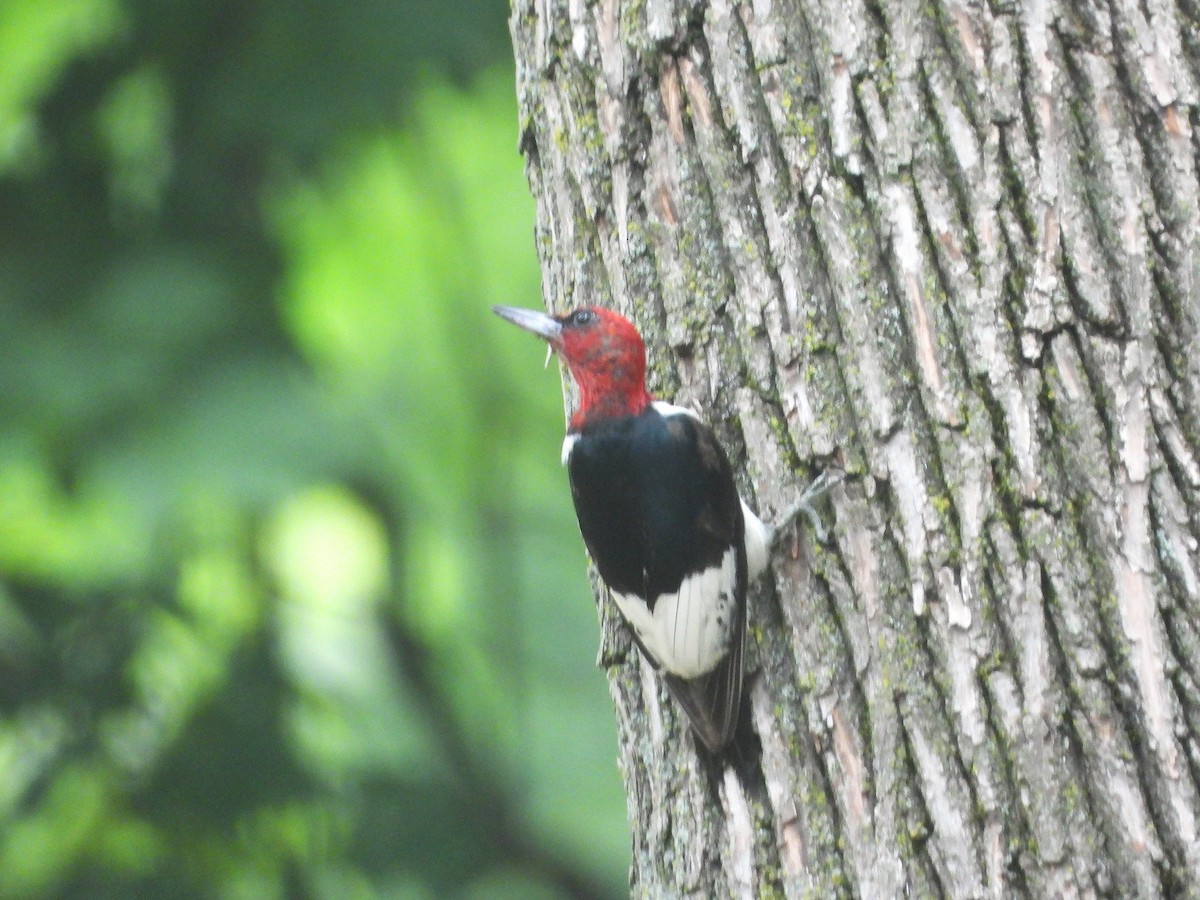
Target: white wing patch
x: 688, y: 632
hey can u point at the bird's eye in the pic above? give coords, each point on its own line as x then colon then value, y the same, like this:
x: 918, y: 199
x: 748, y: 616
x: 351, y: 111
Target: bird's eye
x: 582, y: 317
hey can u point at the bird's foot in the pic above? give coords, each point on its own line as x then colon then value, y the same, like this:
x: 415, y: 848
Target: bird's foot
x: 823, y: 484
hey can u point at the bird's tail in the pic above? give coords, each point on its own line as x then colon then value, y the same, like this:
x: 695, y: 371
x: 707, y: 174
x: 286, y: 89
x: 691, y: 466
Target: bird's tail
x: 713, y: 700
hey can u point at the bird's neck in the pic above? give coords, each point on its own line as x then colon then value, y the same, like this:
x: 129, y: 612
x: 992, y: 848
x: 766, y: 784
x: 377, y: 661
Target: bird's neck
x: 609, y: 398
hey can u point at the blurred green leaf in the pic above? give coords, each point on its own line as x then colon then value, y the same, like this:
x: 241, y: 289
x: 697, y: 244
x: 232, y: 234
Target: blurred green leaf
x: 289, y: 577
x: 135, y: 124
x: 37, y: 39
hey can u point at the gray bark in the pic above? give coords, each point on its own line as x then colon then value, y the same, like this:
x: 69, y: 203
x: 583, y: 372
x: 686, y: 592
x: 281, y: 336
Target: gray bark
x: 954, y: 246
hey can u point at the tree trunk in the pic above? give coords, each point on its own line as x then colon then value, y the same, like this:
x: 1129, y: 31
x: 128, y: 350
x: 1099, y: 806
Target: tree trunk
x: 954, y: 247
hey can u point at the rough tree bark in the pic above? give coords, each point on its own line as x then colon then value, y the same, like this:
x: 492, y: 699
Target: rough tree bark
x: 954, y: 243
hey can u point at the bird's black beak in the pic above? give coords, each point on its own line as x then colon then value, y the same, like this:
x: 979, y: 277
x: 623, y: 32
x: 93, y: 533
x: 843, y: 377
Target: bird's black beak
x: 535, y: 322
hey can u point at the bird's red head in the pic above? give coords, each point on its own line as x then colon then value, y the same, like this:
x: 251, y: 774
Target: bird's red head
x: 604, y: 352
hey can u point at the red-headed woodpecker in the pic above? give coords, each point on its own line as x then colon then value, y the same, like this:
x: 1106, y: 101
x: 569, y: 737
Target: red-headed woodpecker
x: 660, y: 515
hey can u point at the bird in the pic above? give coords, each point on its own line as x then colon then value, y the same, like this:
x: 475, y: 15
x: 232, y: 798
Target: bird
x: 660, y: 515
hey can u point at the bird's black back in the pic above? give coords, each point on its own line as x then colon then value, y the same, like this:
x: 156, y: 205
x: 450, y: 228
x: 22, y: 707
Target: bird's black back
x: 656, y: 504
x: 656, y: 501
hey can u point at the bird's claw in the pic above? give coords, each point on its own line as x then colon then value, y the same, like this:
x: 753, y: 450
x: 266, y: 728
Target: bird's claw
x: 823, y: 484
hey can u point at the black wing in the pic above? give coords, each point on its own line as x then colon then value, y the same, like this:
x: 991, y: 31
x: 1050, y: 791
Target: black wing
x: 657, y: 506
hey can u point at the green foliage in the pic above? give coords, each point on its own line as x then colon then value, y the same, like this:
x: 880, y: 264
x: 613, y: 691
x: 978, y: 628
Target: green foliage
x: 291, y: 598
